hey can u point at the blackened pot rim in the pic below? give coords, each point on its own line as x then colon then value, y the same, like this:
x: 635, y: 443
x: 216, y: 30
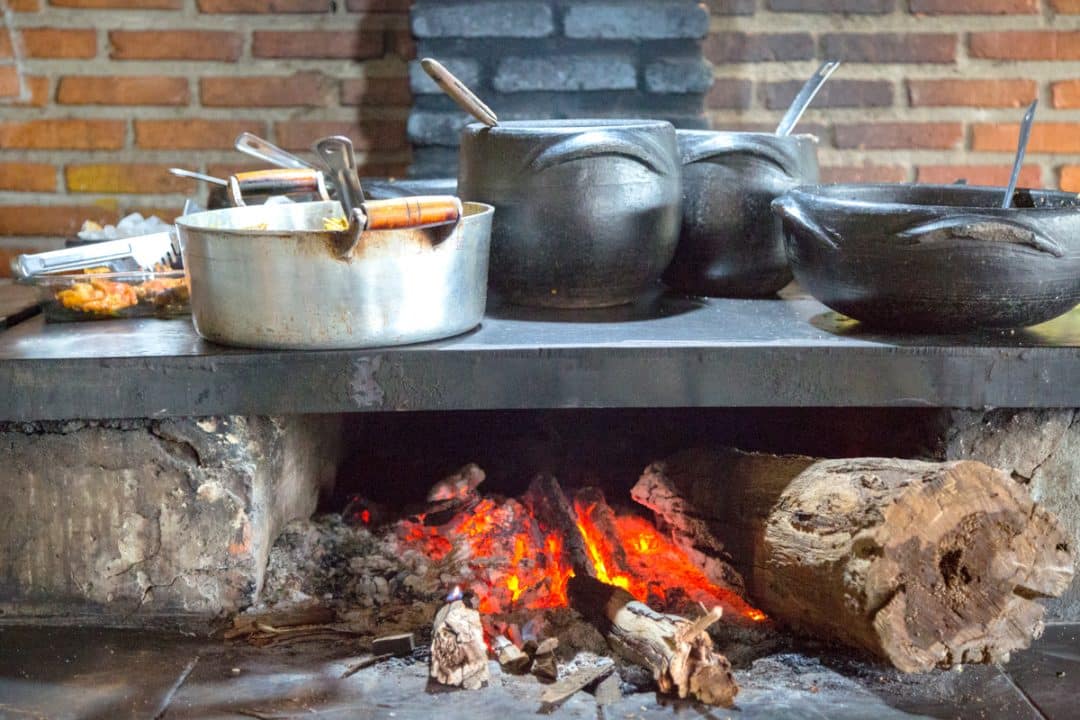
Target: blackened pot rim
x: 831, y: 196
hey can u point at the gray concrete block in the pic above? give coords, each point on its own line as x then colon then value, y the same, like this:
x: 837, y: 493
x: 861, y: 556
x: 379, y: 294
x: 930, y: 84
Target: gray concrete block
x: 637, y: 20
x: 429, y: 127
x: 516, y: 18
x: 678, y: 75
x: 133, y: 522
x: 465, y: 69
x: 566, y: 72
x: 1041, y: 448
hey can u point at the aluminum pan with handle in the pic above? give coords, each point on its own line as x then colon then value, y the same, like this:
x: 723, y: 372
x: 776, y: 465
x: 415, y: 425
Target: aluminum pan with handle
x: 935, y: 258
x: 274, y: 277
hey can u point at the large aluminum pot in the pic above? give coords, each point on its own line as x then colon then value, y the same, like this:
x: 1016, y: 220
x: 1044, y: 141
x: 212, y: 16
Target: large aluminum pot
x: 935, y: 258
x: 587, y: 211
x: 270, y: 276
x: 731, y: 244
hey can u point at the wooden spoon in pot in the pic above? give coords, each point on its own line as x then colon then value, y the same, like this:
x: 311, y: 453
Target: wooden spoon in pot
x: 457, y: 90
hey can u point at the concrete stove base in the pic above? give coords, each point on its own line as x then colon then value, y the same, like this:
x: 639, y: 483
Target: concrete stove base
x: 132, y: 522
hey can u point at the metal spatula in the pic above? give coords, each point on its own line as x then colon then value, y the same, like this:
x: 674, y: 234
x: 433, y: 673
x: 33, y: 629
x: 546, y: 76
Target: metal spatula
x: 128, y: 254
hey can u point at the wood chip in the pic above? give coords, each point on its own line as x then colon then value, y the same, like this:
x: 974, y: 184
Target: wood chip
x: 574, y: 681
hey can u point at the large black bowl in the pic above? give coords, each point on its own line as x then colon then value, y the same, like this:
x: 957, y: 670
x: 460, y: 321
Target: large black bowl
x: 935, y: 258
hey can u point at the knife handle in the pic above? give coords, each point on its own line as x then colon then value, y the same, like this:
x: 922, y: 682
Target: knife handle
x: 276, y: 182
x: 411, y: 212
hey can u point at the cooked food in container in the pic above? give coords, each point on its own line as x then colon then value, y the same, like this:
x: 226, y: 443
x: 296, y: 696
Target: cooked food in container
x: 89, y: 295
x: 935, y: 258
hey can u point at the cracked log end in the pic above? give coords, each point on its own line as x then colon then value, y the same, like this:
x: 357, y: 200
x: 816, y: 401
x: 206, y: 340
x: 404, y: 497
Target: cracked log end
x: 924, y: 564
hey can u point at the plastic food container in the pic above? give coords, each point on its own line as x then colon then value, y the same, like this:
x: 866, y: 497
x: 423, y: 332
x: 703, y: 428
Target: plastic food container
x: 67, y: 297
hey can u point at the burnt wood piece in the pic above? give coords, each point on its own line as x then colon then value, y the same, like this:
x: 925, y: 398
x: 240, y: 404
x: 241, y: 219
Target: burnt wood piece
x: 396, y: 645
x: 548, y: 504
x: 602, y: 516
x: 544, y: 664
x: 678, y: 651
x: 458, y: 653
x: 577, y: 680
x: 511, y: 658
x: 923, y: 564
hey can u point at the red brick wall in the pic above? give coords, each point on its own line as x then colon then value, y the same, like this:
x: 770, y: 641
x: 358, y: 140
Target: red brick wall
x: 930, y: 90
x: 118, y: 91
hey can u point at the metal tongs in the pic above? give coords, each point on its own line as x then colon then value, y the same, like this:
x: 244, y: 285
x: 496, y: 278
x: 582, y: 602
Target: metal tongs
x: 144, y: 252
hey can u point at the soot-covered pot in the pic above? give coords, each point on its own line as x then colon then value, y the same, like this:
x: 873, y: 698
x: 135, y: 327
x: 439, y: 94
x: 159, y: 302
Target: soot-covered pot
x: 586, y: 211
x: 935, y: 258
x: 731, y: 244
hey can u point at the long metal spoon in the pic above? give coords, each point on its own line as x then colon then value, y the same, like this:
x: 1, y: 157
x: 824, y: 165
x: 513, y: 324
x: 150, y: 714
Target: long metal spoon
x: 1021, y: 148
x: 805, y: 96
x: 180, y: 172
x: 462, y: 95
x: 253, y: 145
x: 336, y: 152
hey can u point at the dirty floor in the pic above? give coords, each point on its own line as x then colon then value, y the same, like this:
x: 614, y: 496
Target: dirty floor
x: 59, y: 673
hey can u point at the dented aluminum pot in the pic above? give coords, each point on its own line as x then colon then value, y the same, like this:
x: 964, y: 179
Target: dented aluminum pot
x: 586, y: 211
x: 270, y: 276
x: 730, y: 243
x: 935, y: 258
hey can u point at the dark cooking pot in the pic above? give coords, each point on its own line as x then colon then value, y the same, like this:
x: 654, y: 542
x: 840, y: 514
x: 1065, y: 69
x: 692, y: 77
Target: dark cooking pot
x: 586, y: 211
x: 731, y: 244
x: 935, y: 257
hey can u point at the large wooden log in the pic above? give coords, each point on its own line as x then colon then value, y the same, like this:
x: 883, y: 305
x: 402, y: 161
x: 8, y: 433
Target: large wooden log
x: 550, y: 507
x: 924, y: 564
x: 679, y: 652
x: 458, y: 653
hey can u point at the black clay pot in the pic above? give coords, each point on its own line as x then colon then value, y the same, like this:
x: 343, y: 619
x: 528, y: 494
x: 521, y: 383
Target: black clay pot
x: 935, y: 258
x: 731, y: 244
x: 586, y: 211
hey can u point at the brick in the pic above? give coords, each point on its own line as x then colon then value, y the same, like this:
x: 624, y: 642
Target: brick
x: 10, y: 86
x: 56, y: 43
x: 974, y: 7
x: 852, y: 7
x: 511, y: 18
x: 175, y: 45
x: 864, y: 174
x: 27, y: 177
x: 1026, y: 45
x: 113, y: 90
x: 1050, y: 137
x: 835, y: 93
x: 1013, y: 92
x: 379, y: 6
x: 312, y: 89
x: 467, y: 70
x: 636, y: 20
x: 436, y: 128
x: 36, y: 89
x: 264, y: 6
x: 1070, y: 178
x: 51, y: 220
x: 731, y: 7
x: 1065, y: 94
x: 24, y: 5
x: 402, y: 44
x: 891, y: 47
x: 738, y: 47
x: 120, y: 4
x: 366, y: 134
x: 1066, y: 7
x: 565, y: 72
x: 678, y: 75
x: 728, y: 93
x: 386, y: 91
x: 123, y: 178
x: 1030, y: 175
x: 63, y: 134
x: 192, y: 134
x: 899, y: 135
x: 317, y: 44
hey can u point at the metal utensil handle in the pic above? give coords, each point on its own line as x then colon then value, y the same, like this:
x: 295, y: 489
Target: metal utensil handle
x: 805, y: 96
x: 1021, y: 148
x: 181, y: 172
x: 78, y: 257
x: 276, y: 182
x: 411, y: 212
x: 462, y: 95
x: 336, y: 153
x: 256, y: 147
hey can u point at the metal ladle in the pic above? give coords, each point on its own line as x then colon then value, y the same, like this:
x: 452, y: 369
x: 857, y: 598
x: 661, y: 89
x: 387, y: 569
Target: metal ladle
x: 805, y: 96
x: 253, y: 145
x: 1021, y: 148
x: 457, y: 90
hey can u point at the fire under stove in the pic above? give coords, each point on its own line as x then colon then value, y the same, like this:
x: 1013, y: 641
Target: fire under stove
x: 714, y: 508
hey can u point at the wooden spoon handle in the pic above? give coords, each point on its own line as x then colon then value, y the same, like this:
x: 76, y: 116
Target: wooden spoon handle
x: 411, y: 212
x: 456, y: 89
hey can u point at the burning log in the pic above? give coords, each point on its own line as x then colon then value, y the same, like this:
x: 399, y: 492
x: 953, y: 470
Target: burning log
x: 548, y: 504
x: 458, y: 653
x: 923, y: 564
x: 677, y: 651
